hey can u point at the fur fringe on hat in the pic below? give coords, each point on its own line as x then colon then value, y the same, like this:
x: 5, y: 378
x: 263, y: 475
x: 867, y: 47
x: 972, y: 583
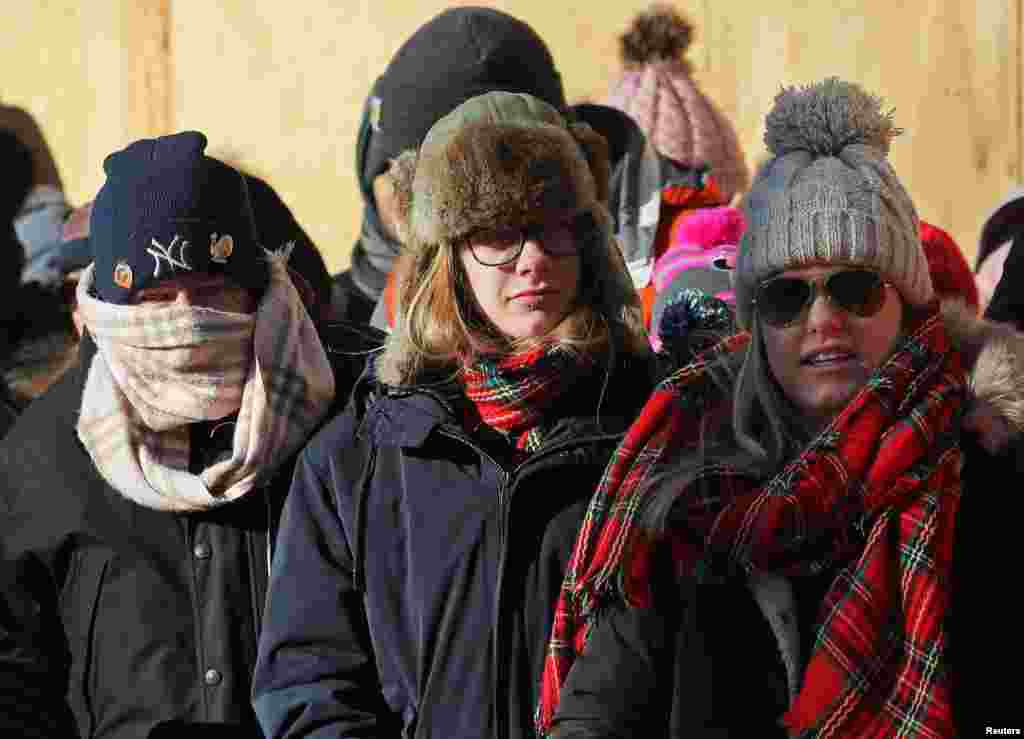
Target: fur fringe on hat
x: 825, y: 118
x: 492, y: 174
x: 660, y: 34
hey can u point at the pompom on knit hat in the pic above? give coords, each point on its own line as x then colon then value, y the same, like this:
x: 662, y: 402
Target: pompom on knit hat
x: 166, y: 209
x: 828, y: 195
x: 658, y: 90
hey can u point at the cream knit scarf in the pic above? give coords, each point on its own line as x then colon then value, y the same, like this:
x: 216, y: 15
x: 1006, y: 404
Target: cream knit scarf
x: 161, y: 367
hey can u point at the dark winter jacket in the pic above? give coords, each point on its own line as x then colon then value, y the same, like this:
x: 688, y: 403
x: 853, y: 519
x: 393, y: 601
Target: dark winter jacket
x: 703, y: 663
x: 988, y: 564
x: 417, y: 566
x: 117, y: 620
x: 9, y: 409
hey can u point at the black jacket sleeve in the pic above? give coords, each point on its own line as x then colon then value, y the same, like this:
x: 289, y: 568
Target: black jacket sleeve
x: 617, y: 687
x: 700, y: 663
x: 621, y: 686
x: 315, y: 672
x: 33, y: 652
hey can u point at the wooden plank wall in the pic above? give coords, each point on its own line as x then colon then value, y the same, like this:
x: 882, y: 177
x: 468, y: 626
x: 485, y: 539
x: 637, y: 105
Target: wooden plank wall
x: 278, y: 87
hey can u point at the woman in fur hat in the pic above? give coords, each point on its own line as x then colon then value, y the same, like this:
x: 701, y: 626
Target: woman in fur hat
x: 424, y: 543
x: 770, y: 552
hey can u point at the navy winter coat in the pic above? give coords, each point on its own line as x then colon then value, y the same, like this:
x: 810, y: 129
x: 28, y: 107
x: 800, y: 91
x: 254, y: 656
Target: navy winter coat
x: 417, y: 566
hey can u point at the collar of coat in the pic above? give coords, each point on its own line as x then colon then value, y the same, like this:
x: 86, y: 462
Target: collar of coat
x: 407, y: 416
x: 994, y: 355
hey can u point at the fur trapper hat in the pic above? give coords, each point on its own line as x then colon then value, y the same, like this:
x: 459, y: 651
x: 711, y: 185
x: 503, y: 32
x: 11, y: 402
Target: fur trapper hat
x: 499, y: 159
x: 829, y: 195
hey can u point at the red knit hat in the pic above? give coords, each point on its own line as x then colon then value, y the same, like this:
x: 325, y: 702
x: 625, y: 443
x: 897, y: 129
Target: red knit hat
x: 951, y: 275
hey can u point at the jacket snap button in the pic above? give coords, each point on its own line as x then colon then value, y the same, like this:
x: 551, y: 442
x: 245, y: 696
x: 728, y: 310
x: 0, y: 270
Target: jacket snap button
x: 201, y: 550
x: 212, y: 677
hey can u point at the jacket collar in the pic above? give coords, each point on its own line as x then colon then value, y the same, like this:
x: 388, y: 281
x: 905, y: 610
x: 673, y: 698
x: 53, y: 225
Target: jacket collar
x: 994, y: 359
x: 406, y: 416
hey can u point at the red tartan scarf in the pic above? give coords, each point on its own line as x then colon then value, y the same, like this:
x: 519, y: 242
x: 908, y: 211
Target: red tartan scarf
x: 881, y: 483
x: 513, y: 393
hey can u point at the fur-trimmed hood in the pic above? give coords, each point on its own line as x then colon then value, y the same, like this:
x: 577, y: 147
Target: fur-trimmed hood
x: 994, y: 357
x: 500, y: 159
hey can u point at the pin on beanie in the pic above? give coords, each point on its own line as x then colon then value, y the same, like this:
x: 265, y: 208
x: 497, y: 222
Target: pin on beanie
x: 828, y: 195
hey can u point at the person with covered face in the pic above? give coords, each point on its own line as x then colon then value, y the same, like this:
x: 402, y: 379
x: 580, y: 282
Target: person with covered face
x: 141, y: 492
x: 427, y: 528
x: 771, y: 550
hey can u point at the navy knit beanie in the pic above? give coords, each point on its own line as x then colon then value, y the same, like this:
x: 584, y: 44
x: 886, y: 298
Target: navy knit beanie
x: 455, y: 56
x: 167, y: 209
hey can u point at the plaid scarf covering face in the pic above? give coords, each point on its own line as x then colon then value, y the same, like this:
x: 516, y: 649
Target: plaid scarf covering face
x: 161, y: 367
x: 876, y: 495
x: 512, y: 393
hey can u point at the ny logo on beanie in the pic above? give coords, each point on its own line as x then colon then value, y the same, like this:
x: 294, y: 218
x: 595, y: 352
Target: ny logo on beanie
x: 167, y: 253
x: 163, y: 200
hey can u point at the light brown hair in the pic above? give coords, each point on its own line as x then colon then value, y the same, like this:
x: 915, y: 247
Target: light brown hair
x: 439, y: 327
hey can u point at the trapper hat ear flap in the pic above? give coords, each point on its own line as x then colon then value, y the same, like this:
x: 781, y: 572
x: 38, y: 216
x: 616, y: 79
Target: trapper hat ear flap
x: 399, y: 178
x: 595, y: 149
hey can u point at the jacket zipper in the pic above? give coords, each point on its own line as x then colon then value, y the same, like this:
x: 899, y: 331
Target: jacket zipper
x: 502, y: 485
x: 504, y: 506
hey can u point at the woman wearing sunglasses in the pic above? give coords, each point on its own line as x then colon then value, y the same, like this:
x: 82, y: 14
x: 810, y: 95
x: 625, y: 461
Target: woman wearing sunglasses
x: 427, y: 530
x: 769, y: 553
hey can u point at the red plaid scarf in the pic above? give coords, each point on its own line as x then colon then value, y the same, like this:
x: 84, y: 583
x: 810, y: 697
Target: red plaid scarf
x: 513, y: 393
x: 882, y: 480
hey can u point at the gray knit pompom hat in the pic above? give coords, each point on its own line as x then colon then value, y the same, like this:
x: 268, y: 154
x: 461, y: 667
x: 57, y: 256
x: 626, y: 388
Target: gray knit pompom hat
x: 828, y: 195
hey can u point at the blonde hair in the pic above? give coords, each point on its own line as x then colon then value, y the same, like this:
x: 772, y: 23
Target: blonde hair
x: 440, y: 329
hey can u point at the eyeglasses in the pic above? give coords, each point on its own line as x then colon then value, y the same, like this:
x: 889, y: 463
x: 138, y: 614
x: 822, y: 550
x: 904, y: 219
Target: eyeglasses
x: 781, y: 301
x: 494, y: 247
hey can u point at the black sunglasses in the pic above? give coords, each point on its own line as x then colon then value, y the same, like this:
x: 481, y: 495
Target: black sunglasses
x: 495, y: 247
x: 782, y: 300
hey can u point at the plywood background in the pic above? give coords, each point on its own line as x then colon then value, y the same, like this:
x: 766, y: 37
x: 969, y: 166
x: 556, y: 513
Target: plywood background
x: 278, y: 87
